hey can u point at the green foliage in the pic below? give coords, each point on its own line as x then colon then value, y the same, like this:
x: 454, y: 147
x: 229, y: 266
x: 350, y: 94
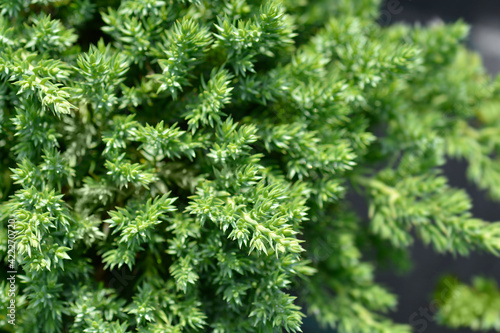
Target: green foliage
x: 183, y: 168
x: 476, y: 307
x: 135, y: 228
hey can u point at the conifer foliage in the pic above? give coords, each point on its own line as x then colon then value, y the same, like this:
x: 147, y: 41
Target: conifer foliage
x: 181, y: 166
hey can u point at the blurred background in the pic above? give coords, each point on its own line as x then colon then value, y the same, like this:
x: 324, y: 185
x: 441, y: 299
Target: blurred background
x: 415, y: 288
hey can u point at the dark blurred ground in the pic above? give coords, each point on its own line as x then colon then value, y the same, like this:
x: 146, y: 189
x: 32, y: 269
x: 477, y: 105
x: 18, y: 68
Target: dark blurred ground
x: 483, y: 16
x: 415, y: 288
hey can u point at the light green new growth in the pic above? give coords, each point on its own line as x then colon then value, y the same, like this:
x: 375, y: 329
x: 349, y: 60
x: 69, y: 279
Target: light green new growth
x: 476, y: 307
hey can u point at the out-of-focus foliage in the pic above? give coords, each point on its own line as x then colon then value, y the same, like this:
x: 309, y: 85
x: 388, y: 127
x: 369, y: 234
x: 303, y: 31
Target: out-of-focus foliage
x: 476, y: 306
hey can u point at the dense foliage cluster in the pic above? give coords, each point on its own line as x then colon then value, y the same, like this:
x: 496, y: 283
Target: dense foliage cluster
x: 476, y: 307
x: 181, y: 166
